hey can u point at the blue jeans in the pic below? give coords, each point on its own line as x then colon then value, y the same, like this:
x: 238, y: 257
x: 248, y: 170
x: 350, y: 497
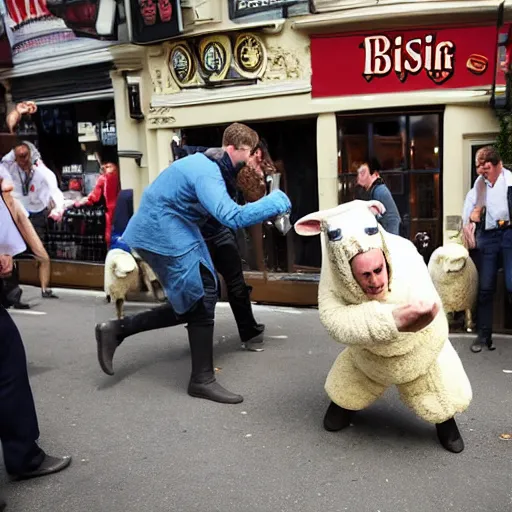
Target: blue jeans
x: 491, y: 245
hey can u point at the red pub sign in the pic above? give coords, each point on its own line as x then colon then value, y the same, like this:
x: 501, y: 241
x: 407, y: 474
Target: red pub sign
x: 410, y: 60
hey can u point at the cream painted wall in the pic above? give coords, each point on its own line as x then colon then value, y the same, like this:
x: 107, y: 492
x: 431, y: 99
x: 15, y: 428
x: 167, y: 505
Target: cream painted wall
x: 127, y: 138
x: 327, y: 159
x: 462, y: 124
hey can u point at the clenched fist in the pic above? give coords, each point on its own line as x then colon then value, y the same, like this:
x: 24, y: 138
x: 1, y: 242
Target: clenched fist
x: 415, y: 316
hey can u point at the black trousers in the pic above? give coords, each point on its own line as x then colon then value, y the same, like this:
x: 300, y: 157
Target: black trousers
x: 228, y: 263
x: 203, y: 312
x: 19, y: 429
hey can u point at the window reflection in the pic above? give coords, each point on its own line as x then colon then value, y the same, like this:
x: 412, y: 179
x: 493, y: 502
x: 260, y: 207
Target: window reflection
x: 405, y: 149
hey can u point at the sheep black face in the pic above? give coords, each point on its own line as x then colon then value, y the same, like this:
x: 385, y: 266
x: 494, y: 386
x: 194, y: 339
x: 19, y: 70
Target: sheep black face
x: 422, y: 241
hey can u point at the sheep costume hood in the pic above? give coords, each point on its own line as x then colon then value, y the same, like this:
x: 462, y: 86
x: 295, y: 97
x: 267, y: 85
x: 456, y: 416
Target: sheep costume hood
x: 424, y: 365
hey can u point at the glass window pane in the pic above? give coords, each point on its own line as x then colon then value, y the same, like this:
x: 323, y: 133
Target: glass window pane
x: 424, y: 141
x: 353, y: 138
x: 388, y: 143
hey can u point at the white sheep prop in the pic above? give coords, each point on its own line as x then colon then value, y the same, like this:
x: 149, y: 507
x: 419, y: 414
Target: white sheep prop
x: 456, y: 279
x: 123, y: 274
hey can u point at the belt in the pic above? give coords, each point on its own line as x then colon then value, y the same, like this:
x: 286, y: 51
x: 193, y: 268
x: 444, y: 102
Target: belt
x: 41, y: 212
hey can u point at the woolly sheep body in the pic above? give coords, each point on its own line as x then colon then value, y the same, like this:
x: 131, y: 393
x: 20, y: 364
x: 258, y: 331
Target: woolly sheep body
x: 456, y: 279
x: 121, y: 277
x: 423, y: 365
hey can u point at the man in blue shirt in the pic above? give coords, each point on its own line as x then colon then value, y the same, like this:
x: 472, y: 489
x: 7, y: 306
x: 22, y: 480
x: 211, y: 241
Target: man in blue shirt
x: 166, y: 232
x: 493, y: 214
x: 368, y: 179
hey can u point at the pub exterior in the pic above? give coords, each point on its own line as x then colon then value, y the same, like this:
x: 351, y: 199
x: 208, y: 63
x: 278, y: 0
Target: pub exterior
x: 328, y: 85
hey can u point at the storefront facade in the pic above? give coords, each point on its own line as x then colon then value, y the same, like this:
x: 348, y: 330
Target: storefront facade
x: 61, y: 65
x: 327, y: 90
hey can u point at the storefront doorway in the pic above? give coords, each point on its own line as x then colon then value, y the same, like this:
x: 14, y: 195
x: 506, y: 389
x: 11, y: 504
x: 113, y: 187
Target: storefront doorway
x: 405, y: 148
x: 292, y: 145
x: 73, y: 139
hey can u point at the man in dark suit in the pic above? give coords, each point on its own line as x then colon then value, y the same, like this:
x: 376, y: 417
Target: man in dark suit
x: 19, y: 430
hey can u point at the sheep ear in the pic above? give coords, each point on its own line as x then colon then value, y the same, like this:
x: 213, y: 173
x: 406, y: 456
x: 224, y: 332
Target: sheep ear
x: 310, y: 225
x: 376, y: 207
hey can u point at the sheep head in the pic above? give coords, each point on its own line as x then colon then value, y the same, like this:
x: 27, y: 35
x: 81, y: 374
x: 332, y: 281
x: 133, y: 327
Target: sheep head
x: 451, y: 257
x: 348, y: 229
x: 124, y: 264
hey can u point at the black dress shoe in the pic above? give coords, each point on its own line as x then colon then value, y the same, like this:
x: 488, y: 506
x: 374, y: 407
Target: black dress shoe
x: 477, y: 346
x: 490, y: 345
x: 253, y: 340
x: 20, y: 305
x: 213, y: 391
x: 49, y: 465
x: 108, y: 338
x: 337, y: 418
x: 449, y: 436
x: 48, y: 294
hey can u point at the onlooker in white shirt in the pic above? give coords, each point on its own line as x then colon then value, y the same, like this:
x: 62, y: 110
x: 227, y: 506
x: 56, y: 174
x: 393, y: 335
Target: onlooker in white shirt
x: 493, y: 239
x: 35, y: 186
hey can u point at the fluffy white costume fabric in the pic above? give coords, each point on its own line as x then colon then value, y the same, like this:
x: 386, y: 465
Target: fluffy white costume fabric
x: 456, y: 279
x: 426, y: 369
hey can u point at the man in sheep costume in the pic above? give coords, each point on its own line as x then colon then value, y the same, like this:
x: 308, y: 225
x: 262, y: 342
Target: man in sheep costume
x: 376, y: 297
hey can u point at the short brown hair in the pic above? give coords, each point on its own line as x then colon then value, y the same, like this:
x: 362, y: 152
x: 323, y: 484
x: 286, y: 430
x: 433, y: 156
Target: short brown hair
x: 488, y: 154
x: 238, y: 134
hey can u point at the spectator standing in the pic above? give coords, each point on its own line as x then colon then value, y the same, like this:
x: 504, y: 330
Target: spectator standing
x: 35, y: 186
x: 19, y: 430
x: 493, y: 238
x: 368, y: 178
x: 106, y: 189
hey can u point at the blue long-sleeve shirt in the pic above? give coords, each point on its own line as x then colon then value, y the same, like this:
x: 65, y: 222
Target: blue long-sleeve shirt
x: 171, y: 212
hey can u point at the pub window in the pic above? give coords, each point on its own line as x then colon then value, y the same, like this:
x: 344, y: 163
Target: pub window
x: 405, y: 148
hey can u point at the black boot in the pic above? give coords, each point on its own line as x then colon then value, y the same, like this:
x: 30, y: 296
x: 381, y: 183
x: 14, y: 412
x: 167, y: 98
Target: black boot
x: 337, y: 418
x: 3, y: 504
x: 449, y: 436
x: 202, y: 380
x: 109, y: 335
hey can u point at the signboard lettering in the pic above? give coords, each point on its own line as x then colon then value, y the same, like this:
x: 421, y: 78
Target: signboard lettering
x: 371, y: 63
x: 383, y: 55
x: 265, y: 9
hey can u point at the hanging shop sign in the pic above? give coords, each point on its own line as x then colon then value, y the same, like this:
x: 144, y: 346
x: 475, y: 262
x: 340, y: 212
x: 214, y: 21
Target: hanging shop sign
x: 38, y: 30
x: 261, y: 10
x: 403, y: 61
x: 155, y: 20
x: 218, y: 60
x: 502, y: 93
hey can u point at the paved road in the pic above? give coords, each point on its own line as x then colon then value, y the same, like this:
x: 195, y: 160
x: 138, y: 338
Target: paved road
x: 141, y: 444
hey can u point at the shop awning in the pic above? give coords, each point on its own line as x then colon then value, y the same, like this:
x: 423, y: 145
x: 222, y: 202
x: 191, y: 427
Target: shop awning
x: 66, y: 85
